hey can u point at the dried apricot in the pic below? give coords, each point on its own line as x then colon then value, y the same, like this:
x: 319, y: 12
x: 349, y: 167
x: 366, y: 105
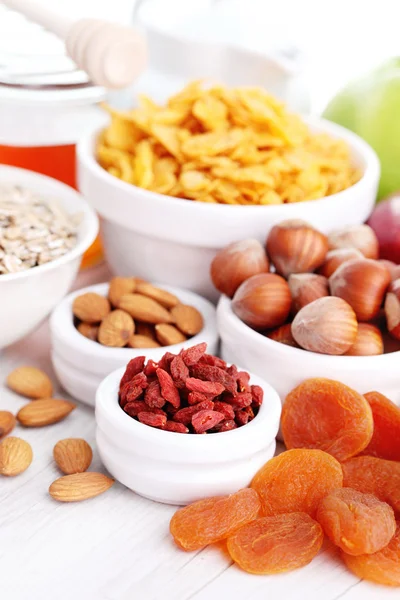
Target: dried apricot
x: 213, y: 519
x: 374, y: 476
x: 328, y: 415
x: 382, y: 567
x: 358, y: 523
x: 296, y: 481
x: 277, y: 543
x: 385, y: 442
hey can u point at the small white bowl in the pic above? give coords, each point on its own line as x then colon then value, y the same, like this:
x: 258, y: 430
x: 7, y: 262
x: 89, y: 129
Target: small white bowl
x: 285, y: 367
x: 177, y: 468
x: 81, y: 364
x: 27, y: 298
x: 174, y: 241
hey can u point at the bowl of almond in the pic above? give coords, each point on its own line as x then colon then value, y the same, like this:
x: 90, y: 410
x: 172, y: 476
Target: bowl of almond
x: 98, y: 329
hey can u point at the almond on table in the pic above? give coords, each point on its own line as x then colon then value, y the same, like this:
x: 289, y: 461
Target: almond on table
x: 15, y: 456
x: 7, y: 423
x: 79, y: 486
x: 30, y: 382
x: 44, y: 412
x: 72, y: 455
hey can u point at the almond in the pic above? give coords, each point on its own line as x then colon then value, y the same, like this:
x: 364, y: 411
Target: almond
x: 116, y: 329
x: 7, y: 423
x: 119, y: 286
x: 79, y: 486
x: 15, y: 456
x: 89, y: 330
x: 72, y: 455
x: 142, y: 341
x: 162, y: 296
x: 145, y: 329
x: 168, y: 335
x: 90, y: 307
x: 44, y: 412
x: 144, y: 309
x: 188, y: 319
x: 30, y: 382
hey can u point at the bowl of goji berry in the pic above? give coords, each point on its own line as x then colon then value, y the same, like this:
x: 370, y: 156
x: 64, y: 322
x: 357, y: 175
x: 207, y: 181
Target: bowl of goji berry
x: 186, y: 427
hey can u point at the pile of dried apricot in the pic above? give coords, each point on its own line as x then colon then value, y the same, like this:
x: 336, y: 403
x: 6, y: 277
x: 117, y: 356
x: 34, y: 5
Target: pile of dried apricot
x: 337, y: 479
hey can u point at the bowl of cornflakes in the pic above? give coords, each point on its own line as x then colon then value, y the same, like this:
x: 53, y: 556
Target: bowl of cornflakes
x: 175, y: 183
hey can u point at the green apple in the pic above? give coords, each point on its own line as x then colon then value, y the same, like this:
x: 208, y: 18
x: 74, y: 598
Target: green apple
x: 371, y: 108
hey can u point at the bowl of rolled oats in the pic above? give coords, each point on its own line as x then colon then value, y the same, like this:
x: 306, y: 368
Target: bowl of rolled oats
x: 45, y: 227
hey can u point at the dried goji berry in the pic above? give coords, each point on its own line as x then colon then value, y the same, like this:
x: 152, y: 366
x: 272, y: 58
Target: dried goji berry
x: 226, y: 426
x: 151, y: 368
x: 241, y: 400
x: 244, y: 415
x: 196, y: 397
x: 257, y: 394
x: 166, y: 361
x: 243, y: 379
x: 168, y: 388
x: 225, y: 409
x: 152, y: 419
x: 233, y: 371
x: 134, y: 408
x: 140, y: 380
x: 130, y: 393
x: 204, y: 387
x: 153, y: 396
x: 175, y: 427
x: 133, y: 367
x: 206, y: 419
x: 192, y: 355
x: 179, y: 371
x: 213, y: 361
x: 184, y: 415
x: 209, y: 373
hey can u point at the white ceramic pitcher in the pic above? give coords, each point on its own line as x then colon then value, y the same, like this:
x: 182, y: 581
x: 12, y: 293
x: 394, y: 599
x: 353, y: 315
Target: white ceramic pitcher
x: 177, y: 55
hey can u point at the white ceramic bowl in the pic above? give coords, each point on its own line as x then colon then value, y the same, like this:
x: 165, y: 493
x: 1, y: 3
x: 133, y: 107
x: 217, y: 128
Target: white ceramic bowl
x: 27, y: 298
x: 81, y: 364
x: 285, y: 367
x: 174, y: 241
x: 177, y: 468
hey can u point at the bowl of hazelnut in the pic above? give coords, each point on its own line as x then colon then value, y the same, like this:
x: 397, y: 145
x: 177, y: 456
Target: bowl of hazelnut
x: 311, y: 305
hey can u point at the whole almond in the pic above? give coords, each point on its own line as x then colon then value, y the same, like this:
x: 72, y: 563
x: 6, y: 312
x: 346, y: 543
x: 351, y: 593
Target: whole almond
x: 89, y: 330
x: 162, y: 296
x: 44, y: 412
x: 188, y: 319
x: 90, y: 307
x: 79, y: 486
x: 145, y: 329
x: 7, y: 423
x: 72, y: 455
x: 119, y: 286
x: 168, y: 335
x: 15, y: 456
x: 116, y: 329
x: 144, y: 309
x: 142, y: 341
x: 30, y: 382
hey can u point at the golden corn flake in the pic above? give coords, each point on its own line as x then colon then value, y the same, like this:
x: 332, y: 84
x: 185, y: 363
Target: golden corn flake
x: 224, y: 145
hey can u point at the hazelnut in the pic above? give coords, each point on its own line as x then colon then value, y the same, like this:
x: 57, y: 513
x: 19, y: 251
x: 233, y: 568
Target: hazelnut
x: 335, y: 258
x: 361, y: 237
x: 236, y: 263
x: 368, y: 342
x: 283, y: 335
x: 263, y: 301
x: 327, y: 326
x: 294, y: 246
x: 307, y: 287
x: 392, y: 310
x: 363, y: 284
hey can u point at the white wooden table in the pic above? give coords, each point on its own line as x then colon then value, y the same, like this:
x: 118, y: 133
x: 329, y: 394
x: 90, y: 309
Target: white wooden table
x: 117, y: 546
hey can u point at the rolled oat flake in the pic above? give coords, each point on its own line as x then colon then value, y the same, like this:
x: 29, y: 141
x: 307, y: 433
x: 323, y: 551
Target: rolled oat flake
x: 33, y: 230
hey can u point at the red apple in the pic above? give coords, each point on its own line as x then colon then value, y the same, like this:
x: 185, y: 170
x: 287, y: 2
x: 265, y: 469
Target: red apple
x: 385, y: 221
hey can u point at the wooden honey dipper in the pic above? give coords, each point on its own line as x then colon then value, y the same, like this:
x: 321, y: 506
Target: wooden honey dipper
x: 112, y: 55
